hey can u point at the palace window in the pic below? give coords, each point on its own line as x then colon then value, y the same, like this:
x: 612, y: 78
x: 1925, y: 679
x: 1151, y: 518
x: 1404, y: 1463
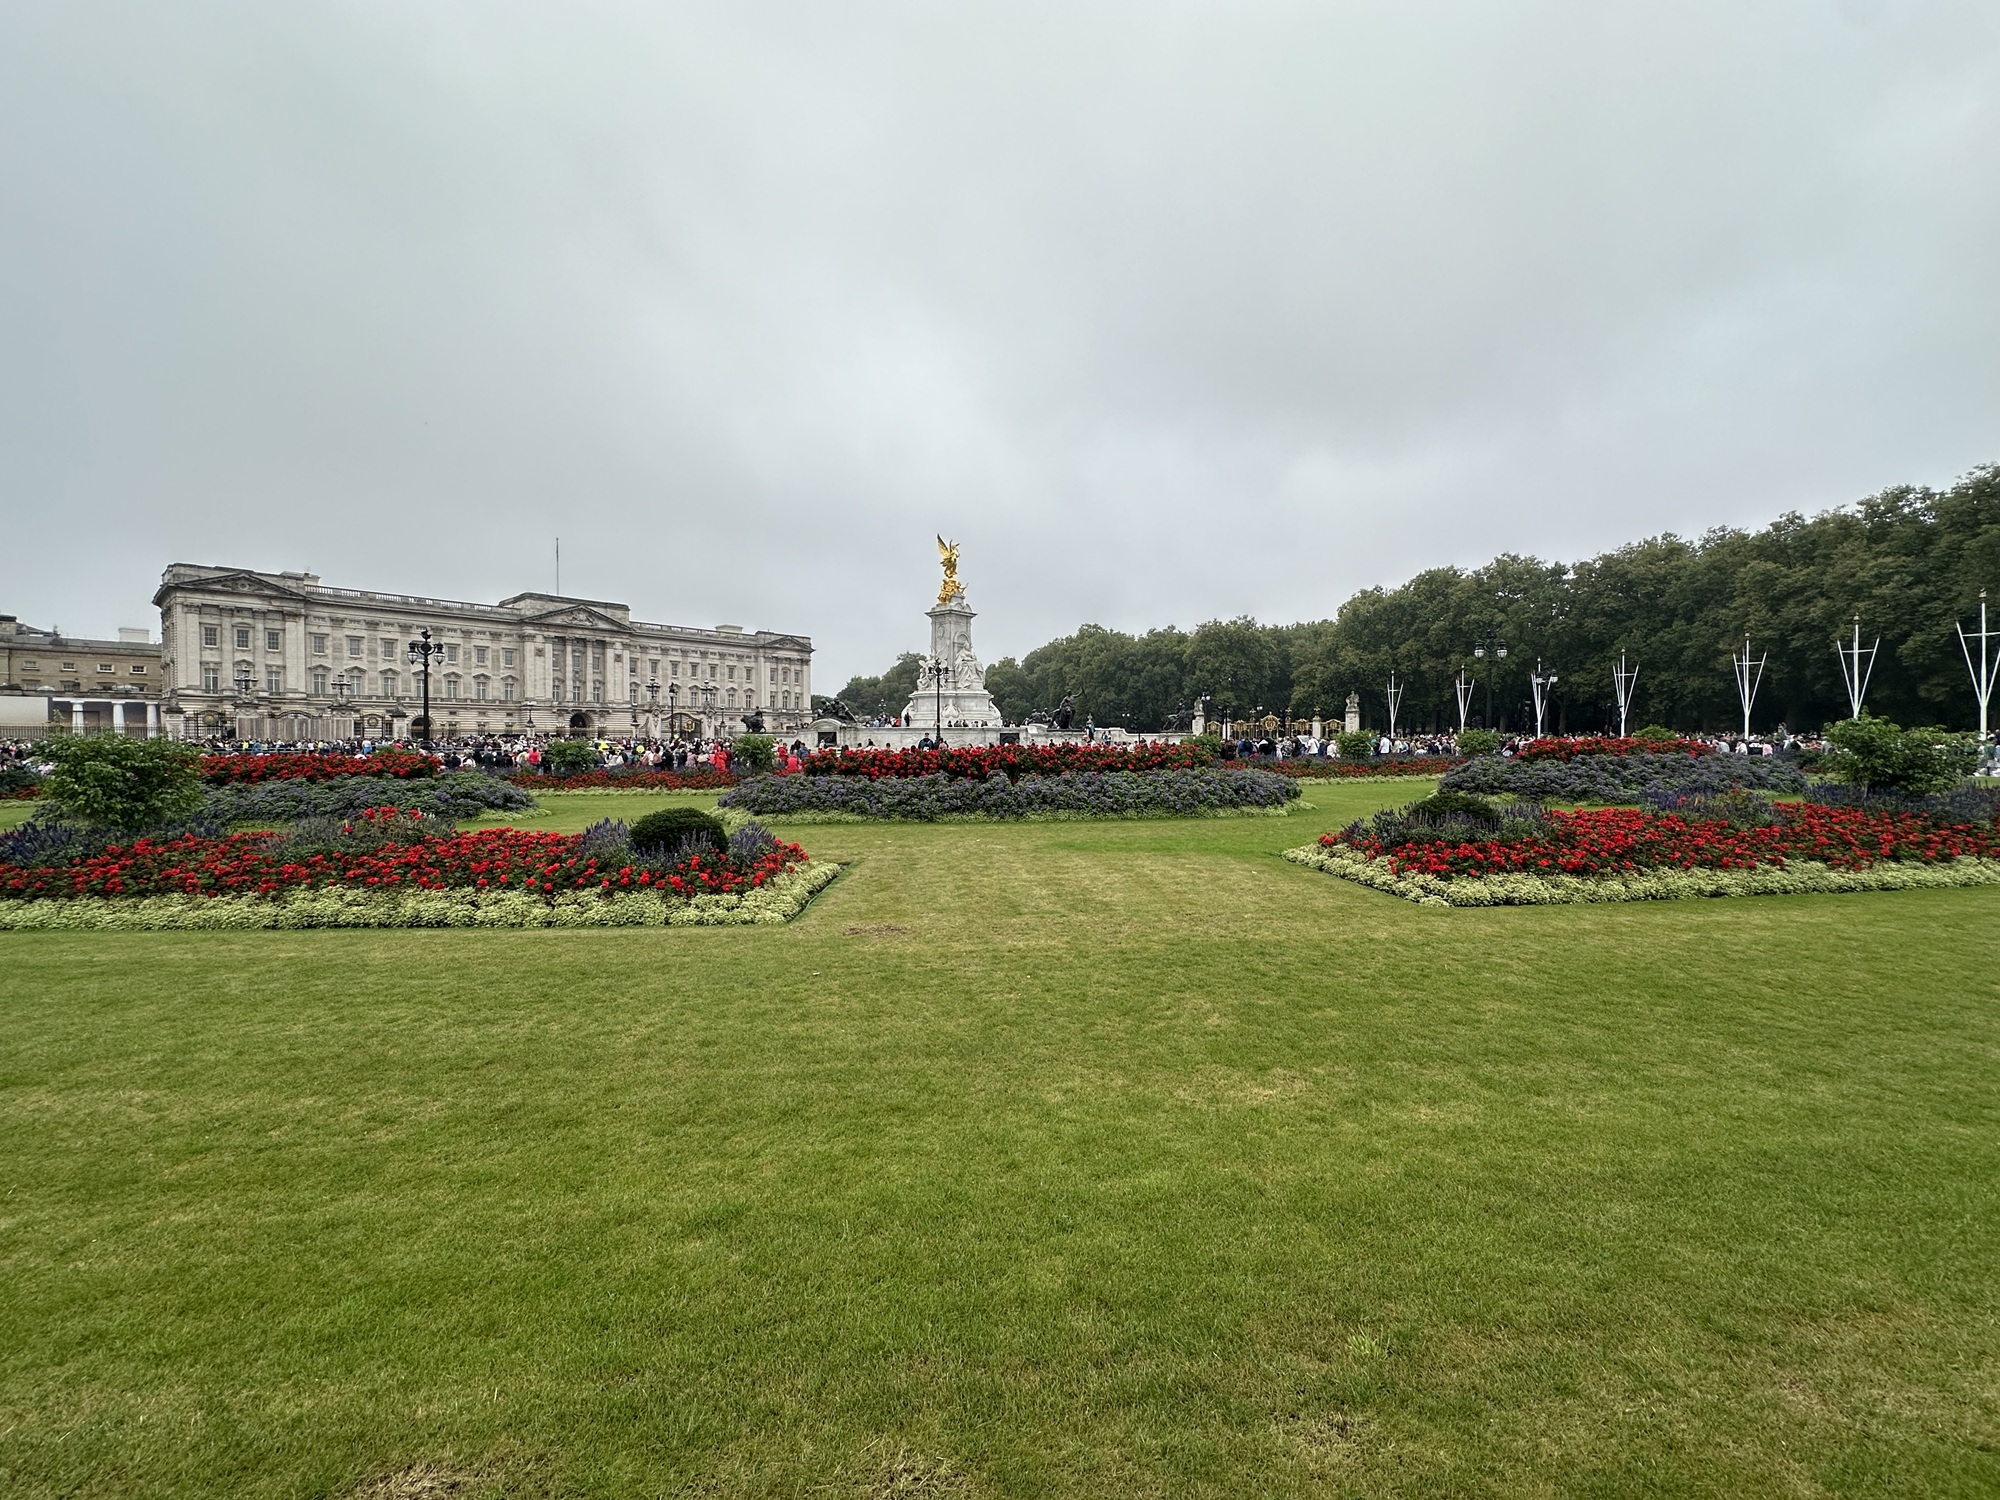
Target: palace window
x: 674, y: 668
x: 319, y: 645
x: 273, y: 641
x: 138, y: 671
x: 211, y: 635
x: 479, y: 656
x: 732, y: 697
x: 244, y: 681
x: 479, y: 689
x: 211, y: 679
x: 507, y: 657
x: 507, y: 689
x: 388, y: 650
x: 451, y: 652
x: 635, y: 692
x: 105, y: 666
x: 274, y: 679
x: 388, y: 684
x: 576, y: 692
x: 243, y: 638
x: 319, y: 682
x: 597, y: 690
x: 354, y: 646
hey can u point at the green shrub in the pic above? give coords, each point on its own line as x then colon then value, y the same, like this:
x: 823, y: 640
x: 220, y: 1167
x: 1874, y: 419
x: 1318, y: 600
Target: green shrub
x: 676, y: 825
x: 1455, y: 805
x: 1882, y: 756
x: 755, y: 751
x: 1479, y: 742
x: 569, y: 757
x: 114, y: 781
x: 1208, y: 744
x: 1654, y: 732
x: 1355, y: 744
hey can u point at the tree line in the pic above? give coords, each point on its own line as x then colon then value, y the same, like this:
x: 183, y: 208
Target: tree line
x: 1909, y: 561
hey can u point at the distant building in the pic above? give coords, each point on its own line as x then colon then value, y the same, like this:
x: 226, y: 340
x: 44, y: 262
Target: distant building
x: 279, y: 656
x: 90, y: 685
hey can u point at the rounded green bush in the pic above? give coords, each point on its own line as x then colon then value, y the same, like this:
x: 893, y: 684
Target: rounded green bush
x: 1478, y: 741
x: 1455, y: 805
x: 674, y: 825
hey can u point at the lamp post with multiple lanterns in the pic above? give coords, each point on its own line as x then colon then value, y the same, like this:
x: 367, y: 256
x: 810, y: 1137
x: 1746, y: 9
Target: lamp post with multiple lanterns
x: 423, y: 651
x: 1489, y: 642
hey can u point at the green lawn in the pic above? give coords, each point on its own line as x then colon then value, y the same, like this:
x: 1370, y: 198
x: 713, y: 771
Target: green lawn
x: 1053, y: 1159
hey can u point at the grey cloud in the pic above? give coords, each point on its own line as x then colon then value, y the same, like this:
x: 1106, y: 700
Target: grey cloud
x: 1166, y: 311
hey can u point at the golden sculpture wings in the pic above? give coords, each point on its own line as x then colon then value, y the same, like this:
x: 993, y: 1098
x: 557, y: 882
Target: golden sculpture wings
x: 951, y: 588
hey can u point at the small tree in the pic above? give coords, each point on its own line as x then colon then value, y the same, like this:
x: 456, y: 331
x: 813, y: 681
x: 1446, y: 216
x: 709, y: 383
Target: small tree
x: 1355, y: 744
x: 569, y: 757
x: 755, y: 751
x: 1881, y: 756
x: 113, y: 781
x: 1478, y: 741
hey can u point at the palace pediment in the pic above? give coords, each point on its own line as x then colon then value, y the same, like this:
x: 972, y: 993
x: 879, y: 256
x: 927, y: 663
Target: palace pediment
x: 577, y: 617
x: 246, y: 584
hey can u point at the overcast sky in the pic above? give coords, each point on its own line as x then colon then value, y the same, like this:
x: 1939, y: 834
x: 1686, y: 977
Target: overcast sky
x: 1165, y: 312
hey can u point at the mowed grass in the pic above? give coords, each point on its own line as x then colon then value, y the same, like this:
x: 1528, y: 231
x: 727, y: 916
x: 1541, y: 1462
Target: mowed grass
x: 1055, y: 1159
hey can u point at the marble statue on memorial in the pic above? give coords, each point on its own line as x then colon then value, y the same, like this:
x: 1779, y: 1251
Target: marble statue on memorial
x: 959, y: 698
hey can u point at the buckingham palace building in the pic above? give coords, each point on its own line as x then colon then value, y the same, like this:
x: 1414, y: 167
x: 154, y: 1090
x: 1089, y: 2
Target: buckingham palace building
x: 281, y: 656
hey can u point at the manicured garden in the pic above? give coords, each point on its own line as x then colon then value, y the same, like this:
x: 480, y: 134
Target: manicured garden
x: 1061, y: 1158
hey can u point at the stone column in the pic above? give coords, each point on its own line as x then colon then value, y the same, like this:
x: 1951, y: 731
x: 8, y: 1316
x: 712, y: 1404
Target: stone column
x: 152, y: 721
x: 76, y: 716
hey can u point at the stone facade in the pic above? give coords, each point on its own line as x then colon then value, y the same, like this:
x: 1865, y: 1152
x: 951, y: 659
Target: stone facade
x: 282, y: 656
x: 89, y: 684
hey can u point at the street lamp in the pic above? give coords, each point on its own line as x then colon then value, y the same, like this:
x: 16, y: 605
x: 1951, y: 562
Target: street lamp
x: 653, y: 705
x: 423, y: 651
x: 935, y: 671
x: 1542, y: 682
x: 1489, y: 642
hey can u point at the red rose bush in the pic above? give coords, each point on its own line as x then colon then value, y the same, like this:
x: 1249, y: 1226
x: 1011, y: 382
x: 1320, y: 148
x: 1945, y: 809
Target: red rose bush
x: 236, y: 770
x: 1626, y: 854
x: 390, y: 868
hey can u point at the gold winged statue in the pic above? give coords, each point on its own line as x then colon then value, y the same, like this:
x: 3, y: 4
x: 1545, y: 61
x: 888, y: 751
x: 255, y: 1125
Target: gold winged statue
x: 951, y: 588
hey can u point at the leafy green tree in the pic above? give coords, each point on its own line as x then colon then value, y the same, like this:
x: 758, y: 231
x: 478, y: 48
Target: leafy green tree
x: 887, y: 695
x: 569, y: 757
x: 114, y: 781
x: 1880, y: 755
x: 755, y: 751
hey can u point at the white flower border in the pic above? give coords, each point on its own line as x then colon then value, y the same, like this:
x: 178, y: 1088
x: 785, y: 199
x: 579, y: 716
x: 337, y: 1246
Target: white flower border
x: 1801, y: 877
x: 772, y: 904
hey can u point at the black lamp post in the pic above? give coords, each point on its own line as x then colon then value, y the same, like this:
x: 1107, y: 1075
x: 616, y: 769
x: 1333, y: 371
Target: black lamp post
x: 1489, y: 642
x: 935, y: 670
x: 423, y: 651
x: 673, y: 693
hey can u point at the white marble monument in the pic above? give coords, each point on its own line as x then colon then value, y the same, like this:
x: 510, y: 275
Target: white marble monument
x: 956, y: 697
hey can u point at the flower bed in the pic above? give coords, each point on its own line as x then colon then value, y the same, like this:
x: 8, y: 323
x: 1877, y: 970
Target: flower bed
x: 1078, y: 794
x: 980, y: 762
x: 390, y: 868
x: 1316, y: 768
x: 1618, y: 854
x: 1589, y: 745
x: 628, y: 779
x: 1633, y: 776
x: 230, y: 770
x: 456, y: 794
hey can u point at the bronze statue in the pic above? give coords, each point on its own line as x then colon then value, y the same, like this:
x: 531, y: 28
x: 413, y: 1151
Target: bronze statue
x: 951, y: 588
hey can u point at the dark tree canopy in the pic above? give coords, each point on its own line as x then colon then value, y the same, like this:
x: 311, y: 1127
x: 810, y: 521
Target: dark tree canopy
x: 1909, y: 561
